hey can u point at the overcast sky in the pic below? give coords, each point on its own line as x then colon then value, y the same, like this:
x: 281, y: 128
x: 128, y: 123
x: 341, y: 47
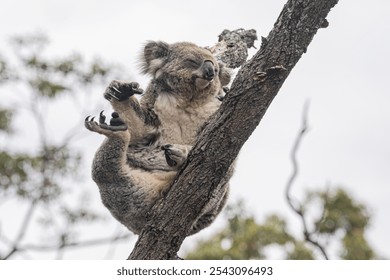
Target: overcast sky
x: 344, y: 74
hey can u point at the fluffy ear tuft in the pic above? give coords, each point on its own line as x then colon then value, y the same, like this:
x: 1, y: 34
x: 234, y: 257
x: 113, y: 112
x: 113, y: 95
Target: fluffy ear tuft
x: 225, y: 74
x: 154, y: 56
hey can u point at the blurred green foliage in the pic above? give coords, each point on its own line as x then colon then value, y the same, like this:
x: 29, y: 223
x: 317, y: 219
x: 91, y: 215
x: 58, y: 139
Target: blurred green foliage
x: 44, y: 179
x: 5, y: 120
x: 343, y: 221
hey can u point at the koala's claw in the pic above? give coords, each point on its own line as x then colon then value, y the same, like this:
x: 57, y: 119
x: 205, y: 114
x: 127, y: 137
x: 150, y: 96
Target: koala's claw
x: 121, y: 91
x: 102, y: 118
x: 116, y: 124
x: 87, y: 119
x: 175, y: 155
x: 168, y: 155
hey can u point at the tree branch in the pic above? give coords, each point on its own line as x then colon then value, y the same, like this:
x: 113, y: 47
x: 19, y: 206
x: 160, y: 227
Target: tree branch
x: 232, y: 47
x: 78, y: 244
x: 295, y: 205
x: 252, y: 92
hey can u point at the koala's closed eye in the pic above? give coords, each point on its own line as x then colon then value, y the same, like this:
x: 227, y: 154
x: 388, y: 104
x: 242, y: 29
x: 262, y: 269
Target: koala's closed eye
x: 191, y: 63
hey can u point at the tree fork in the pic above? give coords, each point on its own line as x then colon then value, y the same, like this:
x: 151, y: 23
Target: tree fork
x: 251, y: 93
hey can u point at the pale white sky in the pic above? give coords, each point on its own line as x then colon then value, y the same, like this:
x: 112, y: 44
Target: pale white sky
x: 344, y: 74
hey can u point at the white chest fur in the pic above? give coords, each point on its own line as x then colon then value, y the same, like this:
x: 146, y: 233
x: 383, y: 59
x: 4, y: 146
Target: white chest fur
x: 180, y: 124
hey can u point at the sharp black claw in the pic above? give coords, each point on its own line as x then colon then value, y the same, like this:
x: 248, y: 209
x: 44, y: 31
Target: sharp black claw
x: 102, y: 118
x: 92, y: 119
x: 115, y: 89
x: 166, y: 147
x: 87, y: 118
x: 170, y: 161
x: 110, y: 95
x: 168, y: 153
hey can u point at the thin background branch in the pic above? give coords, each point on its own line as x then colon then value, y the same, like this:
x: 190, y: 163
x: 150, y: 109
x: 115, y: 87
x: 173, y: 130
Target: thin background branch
x: 295, y: 205
x: 22, y: 231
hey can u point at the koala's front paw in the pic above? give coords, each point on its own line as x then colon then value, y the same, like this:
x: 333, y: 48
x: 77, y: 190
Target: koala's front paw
x: 121, y: 91
x: 116, y: 124
x: 175, y: 155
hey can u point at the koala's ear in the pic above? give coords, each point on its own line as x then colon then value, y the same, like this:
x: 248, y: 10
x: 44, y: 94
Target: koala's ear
x: 154, y: 56
x: 225, y: 74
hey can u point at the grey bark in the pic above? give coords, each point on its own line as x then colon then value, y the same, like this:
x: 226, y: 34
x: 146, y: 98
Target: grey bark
x: 251, y: 93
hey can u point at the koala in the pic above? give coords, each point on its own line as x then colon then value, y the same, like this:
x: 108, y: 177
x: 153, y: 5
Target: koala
x: 148, y: 139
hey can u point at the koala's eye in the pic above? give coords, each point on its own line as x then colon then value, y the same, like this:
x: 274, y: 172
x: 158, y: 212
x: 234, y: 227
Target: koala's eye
x: 191, y: 63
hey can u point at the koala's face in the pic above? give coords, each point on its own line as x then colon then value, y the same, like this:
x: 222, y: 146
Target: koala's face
x: 184, y: 68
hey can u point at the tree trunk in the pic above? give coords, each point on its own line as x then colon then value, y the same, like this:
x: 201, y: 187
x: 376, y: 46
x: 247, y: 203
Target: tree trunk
x: 251, y: 93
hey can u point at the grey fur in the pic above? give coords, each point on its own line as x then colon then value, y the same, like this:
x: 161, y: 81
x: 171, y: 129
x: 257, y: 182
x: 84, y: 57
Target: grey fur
x: 135, y: 166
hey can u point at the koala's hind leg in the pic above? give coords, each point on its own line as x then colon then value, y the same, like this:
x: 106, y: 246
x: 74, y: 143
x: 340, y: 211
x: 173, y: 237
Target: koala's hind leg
x: 121, y: 189
x: 126, y: 191
x: 110, y: 159
x: 161, y: 158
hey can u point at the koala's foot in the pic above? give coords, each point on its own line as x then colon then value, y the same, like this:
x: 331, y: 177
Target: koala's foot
x: 121, y: 91
x: 175, y: 155
x: 116, y: 125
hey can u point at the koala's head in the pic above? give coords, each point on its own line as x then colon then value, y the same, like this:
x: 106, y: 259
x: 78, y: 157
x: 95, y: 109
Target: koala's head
x: 184, y: 68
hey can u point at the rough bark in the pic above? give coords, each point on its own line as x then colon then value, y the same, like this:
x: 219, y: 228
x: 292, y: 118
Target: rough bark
x: 251, y: 93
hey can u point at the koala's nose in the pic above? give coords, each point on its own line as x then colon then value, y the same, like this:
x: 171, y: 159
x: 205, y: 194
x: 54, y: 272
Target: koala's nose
x: 208, y: 70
